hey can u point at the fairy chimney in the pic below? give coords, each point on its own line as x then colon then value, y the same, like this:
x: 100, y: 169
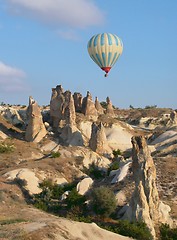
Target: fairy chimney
x: 109, y: 109
x: 35, y: 130
x: 98, y: 106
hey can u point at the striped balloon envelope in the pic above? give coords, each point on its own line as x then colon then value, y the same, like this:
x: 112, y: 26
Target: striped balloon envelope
x: 105, y: 49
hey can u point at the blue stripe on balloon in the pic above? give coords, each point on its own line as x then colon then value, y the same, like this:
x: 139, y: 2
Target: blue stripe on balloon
x: 96, y: 40
x: 104, y: 58
x: 109, y: 58
x: 102, y: 39
x: 94, y: 59
x: 116, y: 59
x: 109, y: 39
x: 116, y: 39
x: 115, y: 54
x: 99, y: 60
x: 90, y: 42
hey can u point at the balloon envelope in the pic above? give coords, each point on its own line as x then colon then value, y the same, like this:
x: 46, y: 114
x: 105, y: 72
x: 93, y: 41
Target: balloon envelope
x: 105, y: 49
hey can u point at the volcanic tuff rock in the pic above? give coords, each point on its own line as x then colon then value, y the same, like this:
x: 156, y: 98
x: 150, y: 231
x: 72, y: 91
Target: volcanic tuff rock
x: 88, y: 107
x: 145, y: 203
x: 77, y: 101
x: 98, y: 142
x: 98, y: 106
x: 69, y: 109
x: 56, y: 106
x: 109, y: 109
x: 35, y: 130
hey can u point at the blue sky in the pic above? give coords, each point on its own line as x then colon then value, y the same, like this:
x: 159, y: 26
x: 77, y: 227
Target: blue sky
x: 43, y: 43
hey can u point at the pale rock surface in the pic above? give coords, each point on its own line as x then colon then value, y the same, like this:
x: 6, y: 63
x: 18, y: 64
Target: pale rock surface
x: 72, y: 136
x: 31, y: 182
x: 35, y: 130
x: 121, y: 173
x: 121, y: 198
x: 144, y: 204
x: 87, y: 155
x: 84, y: 185
x: 109, y: 109
x: 3, y: 136
x: 98, y: 141
x: 86, y: 129
x: 164, y: 137
x: 98, y: 106
x: 60, y: 180
x: 12, y: 116
x: 88, y: 108
x: 118, y: 137
x: 51, y: 146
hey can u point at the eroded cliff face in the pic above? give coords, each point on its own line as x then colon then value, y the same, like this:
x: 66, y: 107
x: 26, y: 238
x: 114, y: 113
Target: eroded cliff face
x: 35, y: 130
x: 145, y: 204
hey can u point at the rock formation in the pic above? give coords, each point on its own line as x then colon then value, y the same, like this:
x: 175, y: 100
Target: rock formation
x: 173, y: 117
x: 109, y: 109
x: 98, y: 141
x: 56, y: 106
x: 69, y: 108
x: 77, y: 101
x: 88, y: 107
x: 35, y: 130
x: 61, y: 107
x: 145, y: 204
x: 98, y: 106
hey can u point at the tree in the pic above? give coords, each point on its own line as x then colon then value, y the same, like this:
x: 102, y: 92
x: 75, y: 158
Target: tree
x: 103, y: 201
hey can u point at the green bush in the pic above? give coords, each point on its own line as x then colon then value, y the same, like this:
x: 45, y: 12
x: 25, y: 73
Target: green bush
x: 136, y: 230
x: 103, y: 201
x: 6, y: 148
x: 114, y: 166
x: 94, y: 172
x: 55, y: 154
x: 75, y: 199
x: 167, y: 233
x: 116, y: 153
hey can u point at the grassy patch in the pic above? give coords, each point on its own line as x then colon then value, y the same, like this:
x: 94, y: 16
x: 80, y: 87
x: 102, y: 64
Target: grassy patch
x: 55, y: 154
x: 6, y: 148
x: 11, y: 221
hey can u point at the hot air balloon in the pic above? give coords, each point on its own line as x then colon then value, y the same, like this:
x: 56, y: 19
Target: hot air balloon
x: 105, y: 49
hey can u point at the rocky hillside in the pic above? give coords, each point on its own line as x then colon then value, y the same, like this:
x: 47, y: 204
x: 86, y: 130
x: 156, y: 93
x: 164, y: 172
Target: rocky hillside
x: 62, y: 141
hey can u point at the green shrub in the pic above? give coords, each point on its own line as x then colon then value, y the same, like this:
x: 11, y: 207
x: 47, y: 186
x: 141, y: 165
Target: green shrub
x: 116, y: 153
x: 6, y: 148
x: 167, y: 233
x: 136, y: 230
x: 103, y: 201
x: 94, y: 172
x: 55, y: 154
x: 75, y: 199
x: 114, y: 166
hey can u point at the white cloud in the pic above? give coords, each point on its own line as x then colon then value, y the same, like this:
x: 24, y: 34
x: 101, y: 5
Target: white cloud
x: 70, y: 13
x: 11, y: 78
x: 68, y: 34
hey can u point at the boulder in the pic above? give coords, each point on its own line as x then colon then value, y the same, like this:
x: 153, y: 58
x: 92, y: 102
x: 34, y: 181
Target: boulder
x: 84, y: 185
x: 26, y: 178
